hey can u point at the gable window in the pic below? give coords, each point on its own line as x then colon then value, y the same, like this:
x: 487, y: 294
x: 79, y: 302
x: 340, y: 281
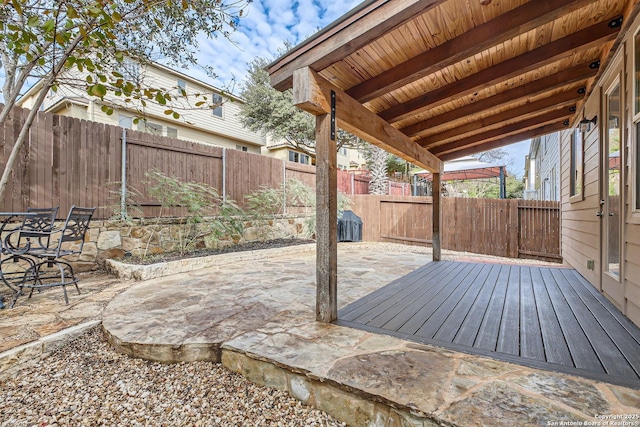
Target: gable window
x: 577, y: 165
x: 216, y: 100
x: 150, y: 127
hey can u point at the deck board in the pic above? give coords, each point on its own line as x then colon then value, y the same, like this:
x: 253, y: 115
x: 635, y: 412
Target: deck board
x: 509, y: 337
x: 555, y: 346
x: 544, y: 317
x: 530, y: 333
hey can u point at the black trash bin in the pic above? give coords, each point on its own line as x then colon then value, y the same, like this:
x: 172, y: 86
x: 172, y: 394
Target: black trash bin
x: 349, y: 227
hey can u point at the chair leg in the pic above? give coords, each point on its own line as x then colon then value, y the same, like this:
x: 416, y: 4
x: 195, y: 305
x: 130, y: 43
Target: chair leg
x: 20, y: 288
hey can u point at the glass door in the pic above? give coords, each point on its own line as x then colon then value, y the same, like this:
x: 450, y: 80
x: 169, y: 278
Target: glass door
x: 611, y: 191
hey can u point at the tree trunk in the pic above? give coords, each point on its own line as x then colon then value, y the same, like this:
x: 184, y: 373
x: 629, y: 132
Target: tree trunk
x: 379, y: 183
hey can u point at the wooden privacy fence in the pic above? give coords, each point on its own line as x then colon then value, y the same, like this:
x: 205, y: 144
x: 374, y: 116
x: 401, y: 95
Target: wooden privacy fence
x: 67, y: 161
x: 508, y: 228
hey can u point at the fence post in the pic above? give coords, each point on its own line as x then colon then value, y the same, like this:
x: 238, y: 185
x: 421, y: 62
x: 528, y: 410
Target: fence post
x: 514, y: 226
x: 123, y: 177
x: 224, y: 175
x: 284, y: 187
x: 353, y: 183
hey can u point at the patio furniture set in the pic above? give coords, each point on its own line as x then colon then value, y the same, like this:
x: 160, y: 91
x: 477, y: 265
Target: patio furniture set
x: 33, y: 251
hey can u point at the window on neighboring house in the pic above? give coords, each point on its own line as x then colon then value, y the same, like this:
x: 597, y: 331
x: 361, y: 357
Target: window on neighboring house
x: 172, y: 132
x: 125, y: 121
x: 343, y: 151
x: 150, y: 127
x: 182, y: 85
x: 299, y: 158
x: 130, y: 70
x: 241, y: 147
x: 216, y: 99
x: 577, y: 164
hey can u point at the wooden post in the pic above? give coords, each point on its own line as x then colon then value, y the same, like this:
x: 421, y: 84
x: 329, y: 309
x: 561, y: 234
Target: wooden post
x: 326, y: 222
x: 437, y: 217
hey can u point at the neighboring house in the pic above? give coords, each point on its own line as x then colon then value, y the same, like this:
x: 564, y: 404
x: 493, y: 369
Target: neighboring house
x: 348, y: 158
x: 218, y: 126
x: 542, y: 168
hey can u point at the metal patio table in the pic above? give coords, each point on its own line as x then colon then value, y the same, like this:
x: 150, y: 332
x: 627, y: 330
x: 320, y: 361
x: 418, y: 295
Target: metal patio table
x: 9, y: 251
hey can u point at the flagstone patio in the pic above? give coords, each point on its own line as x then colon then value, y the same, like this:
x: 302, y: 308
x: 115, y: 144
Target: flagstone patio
x: 260, y: 321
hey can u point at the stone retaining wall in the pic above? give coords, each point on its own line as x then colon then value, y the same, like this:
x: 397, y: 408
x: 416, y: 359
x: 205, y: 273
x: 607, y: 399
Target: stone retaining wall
x: 114, y: 239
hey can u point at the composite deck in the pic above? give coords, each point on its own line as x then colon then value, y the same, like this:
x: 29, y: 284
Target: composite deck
x: 544, y: 317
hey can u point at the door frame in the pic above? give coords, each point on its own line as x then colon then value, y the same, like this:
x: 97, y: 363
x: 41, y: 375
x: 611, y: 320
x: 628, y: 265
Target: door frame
x: 610, y: 285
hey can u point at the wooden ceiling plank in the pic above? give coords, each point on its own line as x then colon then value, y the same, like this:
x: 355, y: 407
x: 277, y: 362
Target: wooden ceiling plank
x: 506, y: 130
x: 565, y: 77
x: 564, y: 99
x: 517, y: 21
x: 542, y: 56
x: 512, y: 139
x: 312, y: 93
x: 345, y: 37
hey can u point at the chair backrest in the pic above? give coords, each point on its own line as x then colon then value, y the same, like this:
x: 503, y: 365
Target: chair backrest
x: 76, y: 226
x: 41, y: 221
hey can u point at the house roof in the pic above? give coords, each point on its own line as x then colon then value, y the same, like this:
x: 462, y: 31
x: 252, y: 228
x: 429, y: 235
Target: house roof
x: 458, y: 77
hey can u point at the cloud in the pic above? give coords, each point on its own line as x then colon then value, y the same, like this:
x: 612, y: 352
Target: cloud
x: 263, y: 31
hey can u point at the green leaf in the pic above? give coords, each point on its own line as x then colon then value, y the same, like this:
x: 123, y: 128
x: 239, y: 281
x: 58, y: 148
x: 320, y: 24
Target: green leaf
x: 176, y: 115
x: 71, y: 12
x: 98, y: 90
x: 160, y: 99
x: 33, y: 21
x: 17, y: 7
x: 49, y: 25
x: 168, y: 112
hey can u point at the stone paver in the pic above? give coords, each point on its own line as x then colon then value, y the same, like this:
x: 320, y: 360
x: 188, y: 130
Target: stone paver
x: 44, y: 318
x: 258, y: 319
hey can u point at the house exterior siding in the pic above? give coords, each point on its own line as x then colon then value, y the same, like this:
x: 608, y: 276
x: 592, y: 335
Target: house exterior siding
x: 543, y: 171
x: 582, y: 243
x: 195, y: 124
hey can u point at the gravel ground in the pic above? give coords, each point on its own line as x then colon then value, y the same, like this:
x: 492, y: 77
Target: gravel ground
x: 88, y: 384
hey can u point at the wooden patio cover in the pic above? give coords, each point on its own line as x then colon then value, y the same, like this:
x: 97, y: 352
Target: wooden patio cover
x: 434, y: 80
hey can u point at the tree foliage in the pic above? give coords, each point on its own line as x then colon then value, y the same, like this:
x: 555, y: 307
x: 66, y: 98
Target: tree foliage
x: 44, y: 39
x: 272, y: 113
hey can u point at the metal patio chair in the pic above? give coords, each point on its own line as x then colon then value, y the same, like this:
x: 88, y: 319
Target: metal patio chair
x: 15, y: 267
x: 52, y: 270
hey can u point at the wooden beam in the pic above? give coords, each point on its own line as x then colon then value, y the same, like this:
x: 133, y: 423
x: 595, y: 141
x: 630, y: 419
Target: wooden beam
x: 437, y: 216
x: 503, y: 131
x: 544, y: 55
x: 356, y: 29
x: 326, y: 222
x: 561, y: 100
x: 312, y: 93
x: 567, y: 77
x: 512, y: 139
x: 504, y: 27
